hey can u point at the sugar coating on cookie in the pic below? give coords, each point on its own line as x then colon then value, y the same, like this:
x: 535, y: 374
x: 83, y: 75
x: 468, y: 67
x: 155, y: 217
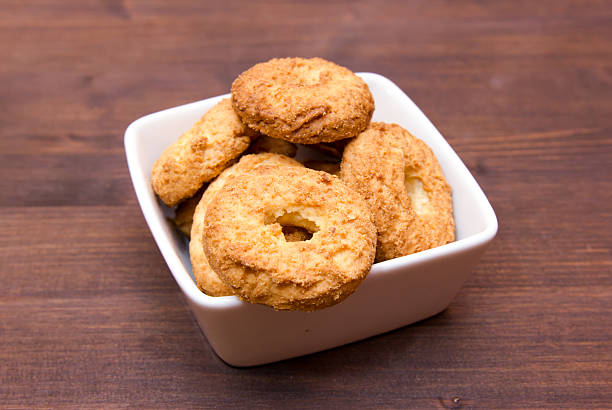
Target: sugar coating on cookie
x: 206, y: 279
x: 303, y: 100
x: 402, y: 181
x: 200, y: 154
x: 245, y: 245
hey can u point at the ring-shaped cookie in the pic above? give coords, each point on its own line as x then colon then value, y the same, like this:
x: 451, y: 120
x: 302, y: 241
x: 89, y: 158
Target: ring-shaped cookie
x: 268, y: 144
x: 402, y: 181
x: 200, y: 154
x: 303, y: 100
x: 183, y: 215
x: 206, y: 279
x: 245, y: 246
x: 332, y: 168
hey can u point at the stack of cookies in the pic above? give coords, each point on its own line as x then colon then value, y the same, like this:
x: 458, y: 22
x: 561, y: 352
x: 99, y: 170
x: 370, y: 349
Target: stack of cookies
x: 291, y: 235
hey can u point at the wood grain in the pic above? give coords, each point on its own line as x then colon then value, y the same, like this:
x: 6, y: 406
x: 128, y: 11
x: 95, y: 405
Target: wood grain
x: 90, y: 316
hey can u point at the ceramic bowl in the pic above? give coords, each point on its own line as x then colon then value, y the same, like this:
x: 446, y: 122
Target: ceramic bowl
x: 396, y: 293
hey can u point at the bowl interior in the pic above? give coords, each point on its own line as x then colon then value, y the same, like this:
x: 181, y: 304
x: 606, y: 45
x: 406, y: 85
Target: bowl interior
x: 147, y: 137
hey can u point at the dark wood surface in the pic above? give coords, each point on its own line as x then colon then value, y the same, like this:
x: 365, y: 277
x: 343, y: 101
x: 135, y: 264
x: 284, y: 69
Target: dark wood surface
x: 90, y: 315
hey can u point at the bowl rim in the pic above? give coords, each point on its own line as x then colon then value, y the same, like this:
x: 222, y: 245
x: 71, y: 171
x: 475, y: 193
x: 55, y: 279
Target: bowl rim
x: 147, y: 203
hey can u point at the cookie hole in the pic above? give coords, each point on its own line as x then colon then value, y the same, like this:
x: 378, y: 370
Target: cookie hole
x: 295, y: 233
x: 414, y: 187
x: 294, y: 226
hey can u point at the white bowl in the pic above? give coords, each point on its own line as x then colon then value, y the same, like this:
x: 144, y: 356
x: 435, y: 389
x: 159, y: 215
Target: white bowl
x: 395, y: 293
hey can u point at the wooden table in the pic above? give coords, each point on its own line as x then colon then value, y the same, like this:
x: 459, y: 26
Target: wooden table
x: 90, y: 316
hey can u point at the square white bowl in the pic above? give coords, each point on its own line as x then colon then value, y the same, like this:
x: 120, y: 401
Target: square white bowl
x: 396, y: 293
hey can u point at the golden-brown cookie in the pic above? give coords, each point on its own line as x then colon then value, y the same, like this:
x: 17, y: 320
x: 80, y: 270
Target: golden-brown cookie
x: 200, y: 154
x: 245, y: 245
x: 325, y: 166
x: 274, y: 145
x: 183, y: 216
x: 303, y: 100
x: 206, y: 279
x: 400, y: 178
x: 333, y: 149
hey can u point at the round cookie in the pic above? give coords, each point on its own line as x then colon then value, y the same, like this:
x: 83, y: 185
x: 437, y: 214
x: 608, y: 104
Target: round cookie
x: 200, y: 154
x: 303, y: 100
x: 400, y: 178
x: 183, y: 216
x: 206, y: 279
x: 275, y: 145
x: 245, y: 244
x: 332, y: 149
x: 326, y: 166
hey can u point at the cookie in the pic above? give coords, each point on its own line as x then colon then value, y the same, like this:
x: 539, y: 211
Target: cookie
x: 200, y: 154
x: 303, y: 100
x: 245, y: 245
x: 402, y: 181
x: 183, y: 216
x: 274, y: 145
x: 332, y: 149
x: 206, y: 279
x: 326, y: 166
